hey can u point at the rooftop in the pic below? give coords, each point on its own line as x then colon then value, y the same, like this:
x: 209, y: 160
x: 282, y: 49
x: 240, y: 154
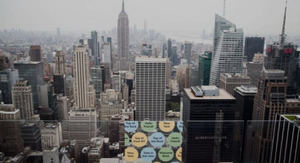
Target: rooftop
x: 144, y: 59
x: 223, y: 95
x: 294, y: 118
x: 247, y: 89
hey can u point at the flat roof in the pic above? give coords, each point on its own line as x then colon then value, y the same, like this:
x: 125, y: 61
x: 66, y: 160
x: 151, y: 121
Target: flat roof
x: 223, y: 95
x: 247, y: 89
x: 144, y: 59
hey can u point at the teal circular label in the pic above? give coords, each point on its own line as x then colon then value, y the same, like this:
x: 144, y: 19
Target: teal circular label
x: 157, y: 140
x: 165, y: 154
x: 131, y: 126
x: 148, y: 154
x: 175, y: 139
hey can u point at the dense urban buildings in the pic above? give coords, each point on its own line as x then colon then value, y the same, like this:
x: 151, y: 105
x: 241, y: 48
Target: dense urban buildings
x: 150, y: 79
x: 230, y: 81
x: 35, y: 53
x: 8, y: 79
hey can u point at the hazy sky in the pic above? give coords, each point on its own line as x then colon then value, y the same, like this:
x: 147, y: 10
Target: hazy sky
x: 166, y: 16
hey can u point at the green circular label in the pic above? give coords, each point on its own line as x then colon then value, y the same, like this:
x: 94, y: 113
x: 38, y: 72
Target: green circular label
x: 175, y: 139
x: 148, y: 126
x: 126, y: 141
x: 165, y: 154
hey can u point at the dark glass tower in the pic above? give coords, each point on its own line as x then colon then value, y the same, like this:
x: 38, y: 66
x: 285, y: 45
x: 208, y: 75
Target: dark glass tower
x: 253, y: 45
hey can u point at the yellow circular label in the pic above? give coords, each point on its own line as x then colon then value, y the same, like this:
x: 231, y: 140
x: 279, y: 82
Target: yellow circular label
x: 139, y: 139
x: 166, y: 126
x: 131, y: 154
x: 178, y: 154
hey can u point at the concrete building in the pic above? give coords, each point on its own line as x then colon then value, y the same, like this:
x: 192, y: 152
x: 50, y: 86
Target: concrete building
x: 8, y: 79
x: 269, y: 101
x: 60, y: 67
x: 83, y: 91
x: 81, y: 126
x: 123, y: 40
x: 10, y: 138
x: 95, y: 150
x: 228, y: 55
x: 204, y: 137
x: 35, y: 53
x: 110, y: 104
x: 31, y: 135
x: 62, y: 107
x: 230, y: 81
x: 32, y: 72
x: 285, y: 139
x: 22, y: 99
x: 150, y: 88
x: 51, y: 135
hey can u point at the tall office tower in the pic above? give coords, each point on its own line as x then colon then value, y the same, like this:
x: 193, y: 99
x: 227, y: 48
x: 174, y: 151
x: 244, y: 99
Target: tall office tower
x: 106, y: 53
x: 59, y: 84
x: 285, y: 140
x: 123, y: 40
x: 81, y: 126
x: 35, y: 53
x: 31, y: 135
x: 81, y: 75
x: 51, y: 135
x: 269, y: 101
x: 60, y: 67
x: 188, y: 51
x: 254, y: 68
x: 94, y: 45
x: 116, y: 81
x: 204, y: 138
x: 22, y: 99
x: 285, y: 56
x: 221, y: 24
x: 8, y: 79
x: 228, y: 56
x: 150, y: 88
x: 204, y: 68
x: 253, y: 45
x: 10, y: 138
x: 244, y: 100
x: 96, y: 80
x: 230, y: 81
x: 62, y: 107
x: 33, y: 73
x: 169, y: 48
x: 109, y: 41
x: 106, y: 75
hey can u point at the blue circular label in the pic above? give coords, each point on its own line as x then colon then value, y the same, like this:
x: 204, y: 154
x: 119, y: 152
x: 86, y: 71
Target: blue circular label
x: 131, y: 126
x: 148, y: 154
x: 157, y: 140
x: 180, y: 125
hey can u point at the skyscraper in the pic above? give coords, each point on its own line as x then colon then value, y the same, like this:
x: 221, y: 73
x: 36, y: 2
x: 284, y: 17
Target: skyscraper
x: 188, y: 51
x: 8, y: 79
x: 95, y: 47
x: 81, y: 86
x: 150, y: 88
x: 35, y: 53
x: 33, y: 73
x: 60, y: 68
x: 230, y: 81
x: 22, y: 99
x: 228, y: 55
x: 221, y: 24
x: 123, y: 39
x: 253, y: 45
x: 204, y: 68
x: 269, y: 101
x: 204, y: 138
x: 96, y: 80
x: 285, y: 140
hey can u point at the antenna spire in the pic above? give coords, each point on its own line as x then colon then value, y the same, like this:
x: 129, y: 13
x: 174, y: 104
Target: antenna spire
x: 224, y: 8
x: 123, y: 6
x: 283, y: 35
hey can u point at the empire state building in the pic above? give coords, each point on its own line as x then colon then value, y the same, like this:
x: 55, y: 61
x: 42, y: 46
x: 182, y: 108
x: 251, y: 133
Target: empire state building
x: 123, y: 40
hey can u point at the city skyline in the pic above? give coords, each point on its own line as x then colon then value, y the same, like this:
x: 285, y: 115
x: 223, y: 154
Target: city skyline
x: 182, y: 19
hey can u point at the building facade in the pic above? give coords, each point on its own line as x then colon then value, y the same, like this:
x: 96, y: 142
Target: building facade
x: 204, y: 68
x: 150, y: 88
x: 230, y: 81
x: 253, y: 45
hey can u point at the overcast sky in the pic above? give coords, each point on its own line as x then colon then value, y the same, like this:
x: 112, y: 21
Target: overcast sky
x: 166, y: 16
